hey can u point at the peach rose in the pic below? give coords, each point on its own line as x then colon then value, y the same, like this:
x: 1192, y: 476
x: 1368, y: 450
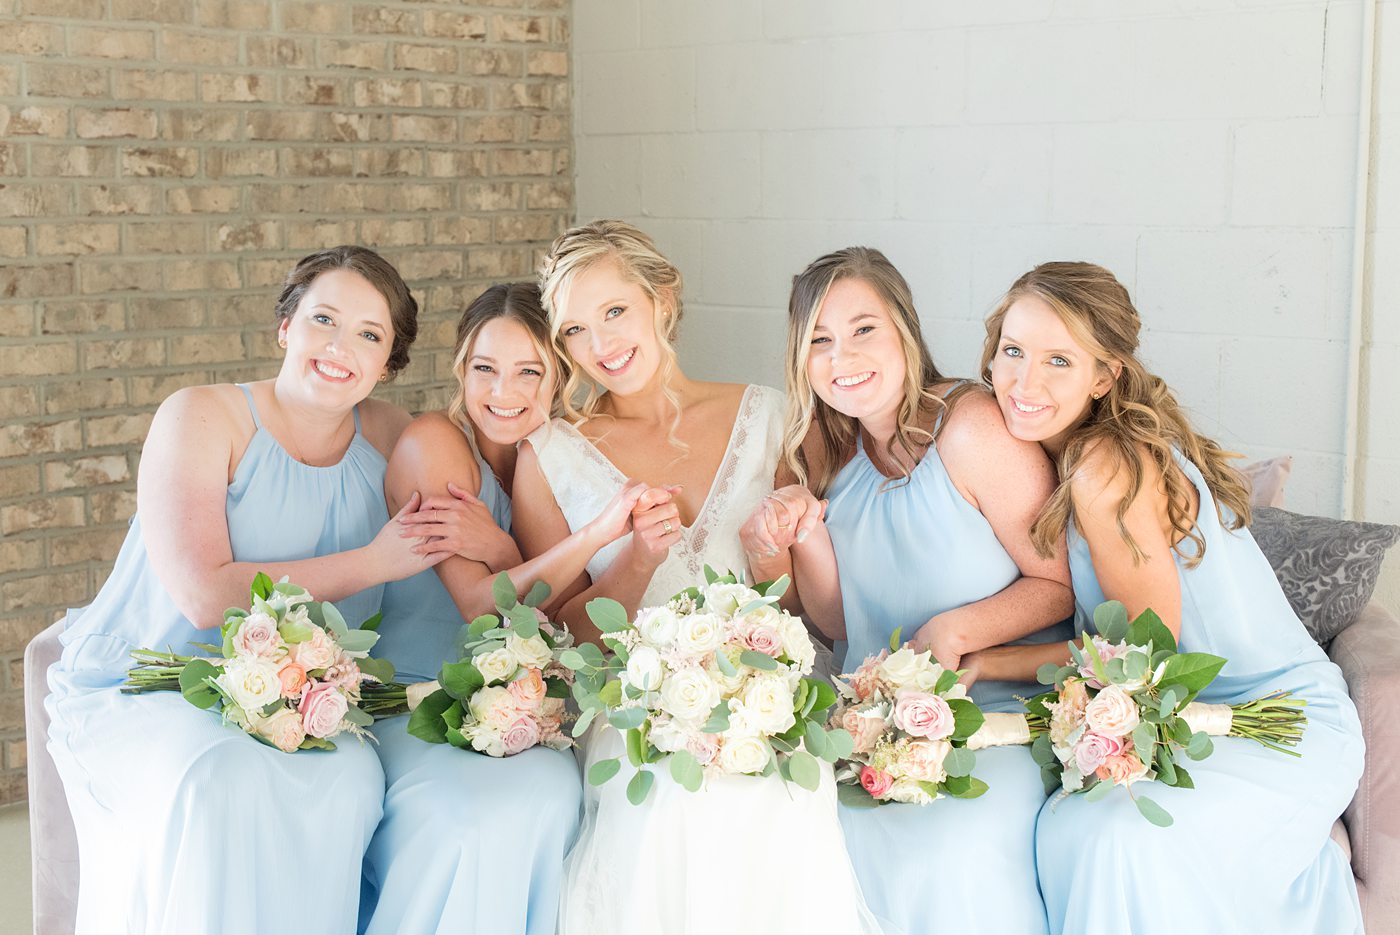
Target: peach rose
x: 923, y: 759
x: 528, y: 690
x: 293, y: 678
x: 283, y: 730
x: 1122, y: 769
x: 319, y: 652
x: 865, y: 729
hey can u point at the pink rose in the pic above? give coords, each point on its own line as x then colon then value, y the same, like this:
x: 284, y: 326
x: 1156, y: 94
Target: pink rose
x: 1106, y: 651
x: 257, y: 636
x: 521, y: 735
x: 1122, y: 769
x: 528, y: 690
x: 864, y: 680
x: 704, y: 747
x: 921, y: 714
x: 319, y: 652
x: 923, y: 759
x: 322, y: 709
x: 1093, y: 749
x: 875, y: 782
x: 764, y: 639
x: 293, y: 678
x: 864, y: 730
x: 283, y: 730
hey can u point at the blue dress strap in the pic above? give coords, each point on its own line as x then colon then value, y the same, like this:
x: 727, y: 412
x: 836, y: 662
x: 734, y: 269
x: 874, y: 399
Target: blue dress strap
x: 356, y: 410
x: 253, y: 407
x: 944, y: 411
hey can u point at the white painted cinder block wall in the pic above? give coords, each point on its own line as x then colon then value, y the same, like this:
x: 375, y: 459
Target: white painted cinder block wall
x: 1204, y: 150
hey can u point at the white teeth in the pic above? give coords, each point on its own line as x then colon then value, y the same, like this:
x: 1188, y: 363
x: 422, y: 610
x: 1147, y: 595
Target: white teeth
x: 855, y: 380
x: 1021, y: 407
x: 332, y: 371
x: 620, y: 362
x: 505, y: 413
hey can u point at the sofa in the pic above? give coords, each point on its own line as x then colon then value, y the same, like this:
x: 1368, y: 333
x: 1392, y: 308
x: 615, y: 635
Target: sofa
x: 1362, y: 638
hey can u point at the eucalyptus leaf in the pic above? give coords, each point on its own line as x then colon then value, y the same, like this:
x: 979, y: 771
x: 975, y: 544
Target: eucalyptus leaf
x: 480, y: 625
x: 194, y: 683
x: 803, y: 769
x: 718, y: 721
x: 503, y: 592
x: 1153, y: 812
x: 523, y: 621
x: 725, y: 666
x: 636, y: 747
x: 627, y: 718
x: 538, y: 594
x: 585, y: 720
x: 1135, y: 665
x: 572, y: 659
x: 840, y: 744
x: 959, y: 762
x: 855, y: 796
x: 1145, y: 742
x: 1200, y: 746
x: 815, y: 739
x: 963, y: 787
x: 686, y: 771
x: 1046, y: 674
x: 640, y: 785
x: 358, y: 641
x: 611, y: 693
x: 1043, y: 752
x: 1098, y: 790
x: 607, y: 615
x: 334, y: 621
x: 1172, y: 696
x: 603, y: 770
x: 1111, y: 620
x: 755, y: 604
x: 761, y: 661
x: 777, y: 588
x: 358, y: 717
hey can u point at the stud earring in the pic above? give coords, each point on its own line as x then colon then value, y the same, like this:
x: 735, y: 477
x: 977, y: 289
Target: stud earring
x: 1096, y: 395
x: 282, y: 343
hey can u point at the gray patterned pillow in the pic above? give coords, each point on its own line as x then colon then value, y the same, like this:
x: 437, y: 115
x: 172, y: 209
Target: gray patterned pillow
x: 1328, y: 567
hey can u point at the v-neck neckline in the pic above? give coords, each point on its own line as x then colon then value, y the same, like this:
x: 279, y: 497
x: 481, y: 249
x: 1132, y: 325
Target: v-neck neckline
x: 702, y: 512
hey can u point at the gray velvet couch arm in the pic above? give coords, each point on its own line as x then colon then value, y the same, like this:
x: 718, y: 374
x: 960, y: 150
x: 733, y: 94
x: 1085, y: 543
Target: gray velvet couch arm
x: 1368, y: 653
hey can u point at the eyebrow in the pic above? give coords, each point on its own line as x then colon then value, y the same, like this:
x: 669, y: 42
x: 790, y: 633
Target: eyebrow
x: 492, y: 360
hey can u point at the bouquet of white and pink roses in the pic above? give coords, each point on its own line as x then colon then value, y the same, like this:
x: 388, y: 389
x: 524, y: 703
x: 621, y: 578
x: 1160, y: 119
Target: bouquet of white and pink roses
x: 289, y: 671
x: 914, y: 730
x: 1125, y: 708
x: 506, y: 694
x: 716, y: 679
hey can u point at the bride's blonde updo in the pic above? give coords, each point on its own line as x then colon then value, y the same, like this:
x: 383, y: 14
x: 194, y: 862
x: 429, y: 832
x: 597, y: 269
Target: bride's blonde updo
x: 638, y: 261
x: 1138, y: 414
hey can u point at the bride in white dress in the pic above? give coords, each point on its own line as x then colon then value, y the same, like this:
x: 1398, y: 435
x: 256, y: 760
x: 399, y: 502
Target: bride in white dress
x: 747, y: 853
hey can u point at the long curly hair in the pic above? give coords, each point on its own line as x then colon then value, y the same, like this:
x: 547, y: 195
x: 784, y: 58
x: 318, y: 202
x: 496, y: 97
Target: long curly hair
x: 837, y: 433
x: 1138, y: 414
x: 637, y: 259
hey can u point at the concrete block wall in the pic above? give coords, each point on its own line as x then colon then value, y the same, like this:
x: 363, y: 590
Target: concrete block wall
x: 162, y: 165
x: 1205, y: 152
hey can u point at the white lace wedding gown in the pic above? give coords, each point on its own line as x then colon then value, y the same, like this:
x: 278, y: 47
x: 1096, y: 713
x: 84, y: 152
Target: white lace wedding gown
x: 746, y: 853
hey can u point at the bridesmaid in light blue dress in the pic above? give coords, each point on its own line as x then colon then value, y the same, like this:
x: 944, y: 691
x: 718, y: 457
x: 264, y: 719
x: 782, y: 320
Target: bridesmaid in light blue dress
x: 471, y: 843
x: 902, y: 463
x: 1249, y: 849
x: 184, y: 824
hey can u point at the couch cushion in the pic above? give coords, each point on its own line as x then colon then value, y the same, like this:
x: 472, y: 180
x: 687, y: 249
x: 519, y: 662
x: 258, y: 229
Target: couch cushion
x: 1266, y: 480
x: 1327, y: 567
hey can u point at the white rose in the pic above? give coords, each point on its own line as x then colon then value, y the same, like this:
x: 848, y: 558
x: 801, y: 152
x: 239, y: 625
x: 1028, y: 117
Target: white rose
x: 743, y: 753
x: 658, y: 626
x: 251, y: 681
x: 700, y: 633
x: 496, y: 666
x: 797, y: 644
x: 488, y: 741
x: 689, y: 694
x: 667, y: 736
x: 728, y: 684
x: 644, y: 669
x: 493, y: 707
x: 726, y: 599
x: 767, y: 702
x: 1113, y: 712
x: 907, y: 790
x: 532, y: 653
x: 903, y: 668
x: 283, y: 729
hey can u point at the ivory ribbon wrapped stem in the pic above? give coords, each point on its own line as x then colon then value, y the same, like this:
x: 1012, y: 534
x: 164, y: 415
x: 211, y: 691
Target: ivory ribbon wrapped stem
x: 1001, y: 730
x: 1213, y: 719
x: 418, y: 691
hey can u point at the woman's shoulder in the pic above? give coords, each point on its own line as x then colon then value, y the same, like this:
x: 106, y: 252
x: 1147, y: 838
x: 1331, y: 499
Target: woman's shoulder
x: 207, y: 410
x: 382, y: 423
x: 1103, y: 476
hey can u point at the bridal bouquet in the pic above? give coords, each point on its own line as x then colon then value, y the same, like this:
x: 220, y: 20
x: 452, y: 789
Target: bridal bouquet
x: 506, y: 694
x: 913, y: 731
x: 716, y: 679
x: 289, y: 671
x: 1125, y: 709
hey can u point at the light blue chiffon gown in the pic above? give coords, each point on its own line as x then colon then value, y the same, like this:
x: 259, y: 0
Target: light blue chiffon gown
x: 186, y: 825
x: 1249, y: 850
x: 905, y: 555
x: 468, y: 843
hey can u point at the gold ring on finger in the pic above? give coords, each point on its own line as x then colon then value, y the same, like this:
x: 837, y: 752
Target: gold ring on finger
x: 666, y: 525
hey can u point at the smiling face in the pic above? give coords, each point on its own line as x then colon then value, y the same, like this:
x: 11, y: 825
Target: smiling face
x: 856, y: 359
x: 507, y: 384
x: 1045, y: 380
x: 607, y: 326
x: 339, y: 338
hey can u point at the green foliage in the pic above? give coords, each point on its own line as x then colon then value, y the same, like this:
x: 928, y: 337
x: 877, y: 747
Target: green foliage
x: 640, y: 786
x: 426, y: 721
x: 627, y: 718
x: 603, y: 770
x: 381, y: 669
x: 718, y: 721
x: 523, y: 621
x: 460, y: 679
x: 1149, y: 628
x: 821, y: 697
x: 894, y: 639
x: 1111, y: 621
x: 758, y: 660
x: 855, y: 796
x: 611, y: 693
x: 503, y: 592
x: 1153, y: 812
x: 802, y: 769
x: 262, y: 586
x: 959, y: 762
x: 1192, y: 671
x: 815, y: 739
x: 686, y: 770
x: 372, y: 624
x: 945, y: 682
x: 1048, y: 674
x: 196, y: 684
x: 636, y: 747
x: 607, y: 615
x: 538, y: 594
x: 967, y: 718
x: 774, y: 589
x: 962, y: 787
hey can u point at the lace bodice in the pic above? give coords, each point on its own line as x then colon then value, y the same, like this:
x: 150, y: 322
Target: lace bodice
x: 583, y: 480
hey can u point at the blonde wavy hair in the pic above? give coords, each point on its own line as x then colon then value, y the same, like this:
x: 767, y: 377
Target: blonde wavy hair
x: 639, y: 262
x: 1138, y: 412
x: 837, y: 433
x: 520, y: 302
